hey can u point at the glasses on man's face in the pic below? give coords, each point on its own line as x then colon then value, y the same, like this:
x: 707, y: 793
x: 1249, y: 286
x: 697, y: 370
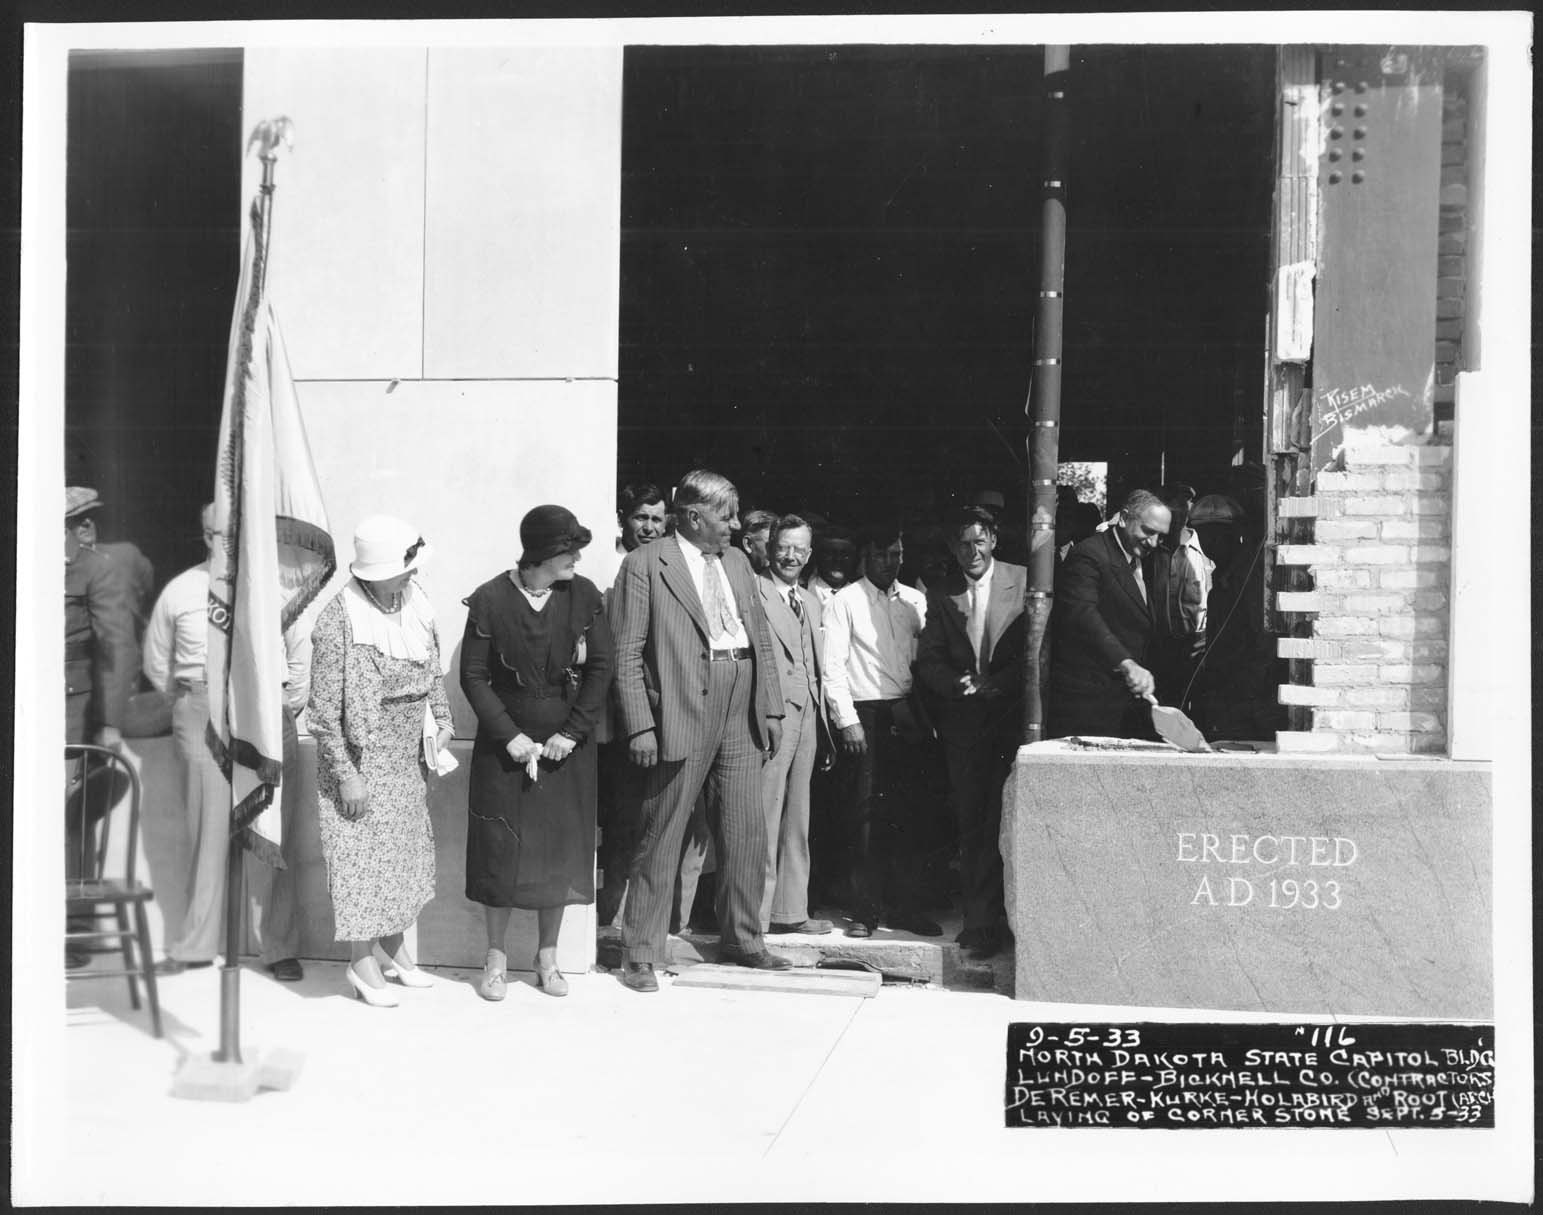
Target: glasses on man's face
x: 783, y: 550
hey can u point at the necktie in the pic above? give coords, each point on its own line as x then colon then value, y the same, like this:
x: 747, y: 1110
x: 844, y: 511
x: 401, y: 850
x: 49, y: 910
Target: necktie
x: 720, y: 623
x: 1135, y: 572
x: 795, y: 601
x: 977, y: 625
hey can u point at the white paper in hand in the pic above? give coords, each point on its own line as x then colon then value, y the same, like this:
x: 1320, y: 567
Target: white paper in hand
x: 440, y: 762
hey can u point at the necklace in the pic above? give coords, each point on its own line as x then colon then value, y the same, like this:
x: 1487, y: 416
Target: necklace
x: 530, y: 590
x: 396, y: 600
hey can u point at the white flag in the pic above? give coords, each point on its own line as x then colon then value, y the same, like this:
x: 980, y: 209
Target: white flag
x: 275, y: 555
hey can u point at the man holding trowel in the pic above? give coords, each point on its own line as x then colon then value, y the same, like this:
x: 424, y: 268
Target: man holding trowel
x: 1103, y: 626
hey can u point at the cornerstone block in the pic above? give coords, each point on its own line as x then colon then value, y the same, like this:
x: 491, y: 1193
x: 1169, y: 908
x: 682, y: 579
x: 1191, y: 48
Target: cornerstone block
x: 1343, y: 885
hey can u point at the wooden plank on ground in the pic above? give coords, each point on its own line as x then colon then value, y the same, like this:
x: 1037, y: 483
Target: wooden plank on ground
x: 803, y: 981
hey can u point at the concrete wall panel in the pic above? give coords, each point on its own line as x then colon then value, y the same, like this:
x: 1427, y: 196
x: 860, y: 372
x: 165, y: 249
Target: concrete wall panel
x: 465, y: 461
x: 524, y: 212
x: 347, y: 260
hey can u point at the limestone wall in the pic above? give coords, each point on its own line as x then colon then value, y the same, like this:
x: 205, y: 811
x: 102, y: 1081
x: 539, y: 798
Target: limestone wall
x: 446, y: 266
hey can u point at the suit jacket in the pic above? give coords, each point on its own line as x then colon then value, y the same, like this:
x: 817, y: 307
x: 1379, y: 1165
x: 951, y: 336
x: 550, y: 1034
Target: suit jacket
x: 1099, y: 620
x: 100, y: 657
x: 662, y: 661
x: 944, y: 652
x: 785, y: 630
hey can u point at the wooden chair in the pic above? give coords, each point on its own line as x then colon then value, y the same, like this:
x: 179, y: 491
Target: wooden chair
x: 96, y: 780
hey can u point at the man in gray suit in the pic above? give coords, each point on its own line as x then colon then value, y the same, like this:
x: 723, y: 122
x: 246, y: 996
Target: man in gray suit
x: 793, y: 612
x: 700, y: 706
x: 970, y: 657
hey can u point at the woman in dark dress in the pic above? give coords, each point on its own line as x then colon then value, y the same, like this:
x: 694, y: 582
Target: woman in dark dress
x: 536, y: 665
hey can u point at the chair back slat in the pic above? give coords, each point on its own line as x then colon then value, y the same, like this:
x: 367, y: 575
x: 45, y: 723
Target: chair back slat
x: 98, y: 780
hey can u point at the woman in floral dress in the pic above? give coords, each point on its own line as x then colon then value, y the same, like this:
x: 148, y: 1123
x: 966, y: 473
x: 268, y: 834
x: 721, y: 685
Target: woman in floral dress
x: 376, y: 693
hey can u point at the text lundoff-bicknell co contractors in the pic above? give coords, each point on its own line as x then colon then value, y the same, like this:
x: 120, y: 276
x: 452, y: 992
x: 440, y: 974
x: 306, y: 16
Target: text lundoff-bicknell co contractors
x: 1175, y: 1077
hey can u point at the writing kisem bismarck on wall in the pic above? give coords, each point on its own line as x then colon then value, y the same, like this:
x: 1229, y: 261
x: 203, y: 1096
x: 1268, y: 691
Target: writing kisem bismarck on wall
x: 1285, y: 851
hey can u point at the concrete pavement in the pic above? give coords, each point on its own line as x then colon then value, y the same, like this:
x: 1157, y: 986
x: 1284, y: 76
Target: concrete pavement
x: 607, y: 1095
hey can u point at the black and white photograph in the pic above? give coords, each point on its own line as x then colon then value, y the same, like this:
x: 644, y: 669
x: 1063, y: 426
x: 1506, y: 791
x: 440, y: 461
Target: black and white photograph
x: 842, y: 608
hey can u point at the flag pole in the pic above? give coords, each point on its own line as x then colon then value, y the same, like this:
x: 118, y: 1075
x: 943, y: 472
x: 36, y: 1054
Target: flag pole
x: 1045, y: 389
x: 230, y: 972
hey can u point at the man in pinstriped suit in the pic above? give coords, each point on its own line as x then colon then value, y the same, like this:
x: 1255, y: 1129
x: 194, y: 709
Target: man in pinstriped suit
x: 700, y: 706
x: 793, y: 615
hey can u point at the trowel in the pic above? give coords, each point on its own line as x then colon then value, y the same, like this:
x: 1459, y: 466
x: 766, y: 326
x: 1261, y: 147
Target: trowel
x: 1172, y: 725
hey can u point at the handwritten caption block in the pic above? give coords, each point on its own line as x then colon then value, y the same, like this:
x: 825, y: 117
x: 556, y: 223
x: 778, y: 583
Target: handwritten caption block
x: 1171, y: 1077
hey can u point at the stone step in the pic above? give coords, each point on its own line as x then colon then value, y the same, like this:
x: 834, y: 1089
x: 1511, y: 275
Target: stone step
x: 797, y: 980
x: 899, y: 956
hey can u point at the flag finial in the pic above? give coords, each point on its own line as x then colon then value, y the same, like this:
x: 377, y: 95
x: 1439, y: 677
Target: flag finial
x: 268, y: 134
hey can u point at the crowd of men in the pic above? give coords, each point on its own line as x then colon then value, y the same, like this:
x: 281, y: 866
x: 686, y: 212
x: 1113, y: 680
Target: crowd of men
x: 782, y: 692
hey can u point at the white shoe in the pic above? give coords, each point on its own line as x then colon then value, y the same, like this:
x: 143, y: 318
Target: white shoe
x: 377, y: 997
x: 408, y: 976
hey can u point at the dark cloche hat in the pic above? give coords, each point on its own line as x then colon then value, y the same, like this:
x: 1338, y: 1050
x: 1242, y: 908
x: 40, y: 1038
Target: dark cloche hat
x: 548, y: 531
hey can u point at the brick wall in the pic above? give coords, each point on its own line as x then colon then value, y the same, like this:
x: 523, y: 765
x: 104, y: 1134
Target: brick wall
x: 1370, y: 637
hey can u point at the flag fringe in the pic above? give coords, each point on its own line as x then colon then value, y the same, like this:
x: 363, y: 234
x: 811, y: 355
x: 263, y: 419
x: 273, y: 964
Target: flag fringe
x: 298, y: 533
x: 269, y: 771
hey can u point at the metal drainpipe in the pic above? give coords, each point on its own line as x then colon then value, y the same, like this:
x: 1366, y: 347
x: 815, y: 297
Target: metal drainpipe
x: 1044, y: 406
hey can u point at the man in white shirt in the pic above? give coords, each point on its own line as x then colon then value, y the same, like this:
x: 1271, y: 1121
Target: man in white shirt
x: 174, y: 656
x: 641, y: 515
x: 835, y: 560
x: 871, y: 628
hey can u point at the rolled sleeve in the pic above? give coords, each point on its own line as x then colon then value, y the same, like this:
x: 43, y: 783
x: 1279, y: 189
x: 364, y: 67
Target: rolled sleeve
x: 836, y: 623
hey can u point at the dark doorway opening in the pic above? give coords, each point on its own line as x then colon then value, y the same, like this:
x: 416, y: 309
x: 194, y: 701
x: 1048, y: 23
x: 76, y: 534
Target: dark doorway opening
x: 153, y: 167
x: 830, y: 256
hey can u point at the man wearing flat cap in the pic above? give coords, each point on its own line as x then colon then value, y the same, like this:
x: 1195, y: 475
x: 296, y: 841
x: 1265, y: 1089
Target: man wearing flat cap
x: 99, y: 660
x: 134, y: 568
x: 700, y: 706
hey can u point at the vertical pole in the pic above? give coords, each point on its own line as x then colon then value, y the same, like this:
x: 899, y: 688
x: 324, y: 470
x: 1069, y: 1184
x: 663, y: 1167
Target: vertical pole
x: 1045, y: 389
x: 230, y: 972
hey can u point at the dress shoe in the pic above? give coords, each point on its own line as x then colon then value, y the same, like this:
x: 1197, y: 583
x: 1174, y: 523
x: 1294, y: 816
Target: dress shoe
x: 640, y: 976
x: 407, y: 976
x: 859, y: 928
x: 809, y: 928
x: 549, y: 979
x: 175, y: 966
x: 914, y: 922
x: 375, y: 997
x: 492, y: 985
x: 765, y: 960
x: 287, y: 970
